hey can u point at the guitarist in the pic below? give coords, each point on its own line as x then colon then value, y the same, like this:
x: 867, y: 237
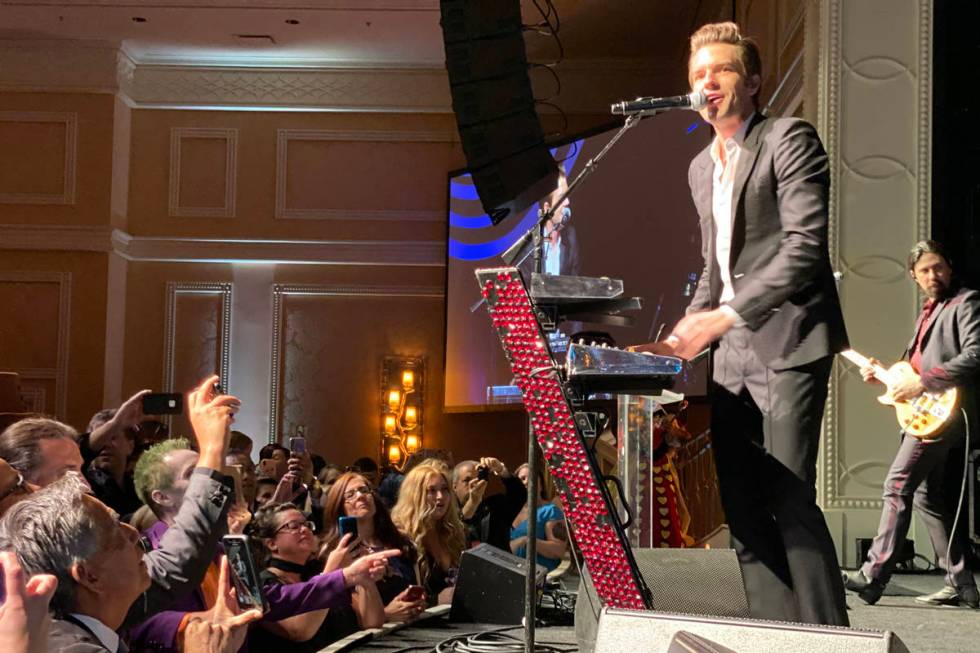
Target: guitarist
x: 944, y: 352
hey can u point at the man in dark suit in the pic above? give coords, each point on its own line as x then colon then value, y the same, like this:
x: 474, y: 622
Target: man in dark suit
x: 945, y: 353
x: 767, y: 297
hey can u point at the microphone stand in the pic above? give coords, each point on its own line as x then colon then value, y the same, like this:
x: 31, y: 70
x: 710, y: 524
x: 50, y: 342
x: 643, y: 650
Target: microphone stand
x: 536, y: 235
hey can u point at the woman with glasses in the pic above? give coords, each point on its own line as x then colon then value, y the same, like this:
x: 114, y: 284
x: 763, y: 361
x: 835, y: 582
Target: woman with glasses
x: 288, y: 552
x: 427, y: 514
x: 352, y: 496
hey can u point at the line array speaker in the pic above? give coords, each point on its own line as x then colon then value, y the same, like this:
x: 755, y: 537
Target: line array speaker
x: 494, y: 105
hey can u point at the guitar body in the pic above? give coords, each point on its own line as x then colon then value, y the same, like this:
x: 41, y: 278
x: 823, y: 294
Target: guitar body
x: 925, y: 416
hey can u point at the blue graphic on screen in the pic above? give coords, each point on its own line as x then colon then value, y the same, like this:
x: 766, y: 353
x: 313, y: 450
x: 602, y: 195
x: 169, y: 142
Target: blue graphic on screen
x: 489, y: 244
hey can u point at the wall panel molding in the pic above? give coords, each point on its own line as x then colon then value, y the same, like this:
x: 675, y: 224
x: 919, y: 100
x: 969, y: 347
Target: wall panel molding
x: 58, y: 373
x: 285, y: 136
x: 222, y: 293
x: 70, y: 122
x: 174, y: 206
x: 280, y: 292
x: 872, y: 53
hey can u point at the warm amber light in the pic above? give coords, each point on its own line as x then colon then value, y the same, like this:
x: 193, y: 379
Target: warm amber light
x: 394, y: 400
x: 394, y: 455
x: 412, y: 443
x: 389, y: 424
x: 408, y: 379
x: 411, y: 415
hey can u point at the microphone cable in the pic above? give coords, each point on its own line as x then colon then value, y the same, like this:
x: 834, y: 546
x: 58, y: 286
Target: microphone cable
x: 959, y: 504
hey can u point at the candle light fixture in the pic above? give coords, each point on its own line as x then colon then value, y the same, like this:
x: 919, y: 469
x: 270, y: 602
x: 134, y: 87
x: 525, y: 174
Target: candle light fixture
x: 402, y: 382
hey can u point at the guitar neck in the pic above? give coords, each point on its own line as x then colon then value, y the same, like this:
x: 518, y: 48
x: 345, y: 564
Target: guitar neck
x: 880, y: 372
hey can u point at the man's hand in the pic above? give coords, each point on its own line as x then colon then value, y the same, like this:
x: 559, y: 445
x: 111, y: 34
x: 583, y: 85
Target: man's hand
x: 127, y: 416
x: 868, y: 371
x: 698, y: 330
x: 659, y: 348
x: 477, y: 488
x: 288, y: 489
x: 24, y: 619
x: 221, y: 629
x: 238, y: 518
x: 211, y: 418
x: 368, y: 568
x: 495, y: 466
x: 301, y: 467
x: 906, y: 388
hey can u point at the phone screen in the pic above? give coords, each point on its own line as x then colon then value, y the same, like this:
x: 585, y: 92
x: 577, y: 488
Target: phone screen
x: 244, y: 575
x: 347, y: 525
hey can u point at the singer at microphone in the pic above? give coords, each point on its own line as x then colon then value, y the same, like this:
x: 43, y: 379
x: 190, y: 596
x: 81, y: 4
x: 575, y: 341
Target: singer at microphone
x: 694, y: 101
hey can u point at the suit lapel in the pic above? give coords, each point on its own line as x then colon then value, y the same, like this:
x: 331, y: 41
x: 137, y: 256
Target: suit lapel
x: 746, y: 163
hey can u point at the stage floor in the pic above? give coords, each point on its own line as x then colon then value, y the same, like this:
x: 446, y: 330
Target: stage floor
x: 923, y: 629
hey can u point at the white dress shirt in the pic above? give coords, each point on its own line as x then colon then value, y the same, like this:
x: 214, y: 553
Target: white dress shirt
x: 107, y: 636
x: 722, y: 187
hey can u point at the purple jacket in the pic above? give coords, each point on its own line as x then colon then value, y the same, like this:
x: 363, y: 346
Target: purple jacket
x: 159, y: 632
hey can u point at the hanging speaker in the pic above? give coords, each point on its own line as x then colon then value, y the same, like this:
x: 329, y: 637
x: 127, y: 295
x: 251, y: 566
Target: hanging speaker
x: 499, y: 128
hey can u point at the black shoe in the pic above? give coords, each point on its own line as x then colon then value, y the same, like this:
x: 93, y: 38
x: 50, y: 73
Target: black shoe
x: 868, y: 589
x: 965, y: 596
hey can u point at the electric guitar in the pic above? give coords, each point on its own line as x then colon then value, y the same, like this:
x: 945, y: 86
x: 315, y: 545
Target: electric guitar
x: 923, y: 417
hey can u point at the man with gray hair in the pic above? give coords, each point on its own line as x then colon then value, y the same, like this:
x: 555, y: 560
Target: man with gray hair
x: 63, y: 531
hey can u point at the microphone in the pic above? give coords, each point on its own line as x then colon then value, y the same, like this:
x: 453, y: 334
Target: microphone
x: 566, y: 215
x: 694, y: 101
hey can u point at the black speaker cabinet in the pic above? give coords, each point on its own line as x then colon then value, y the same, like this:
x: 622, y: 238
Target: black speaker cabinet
x: 622, y: 631
x: 695, y: 581
x: 490, y: 587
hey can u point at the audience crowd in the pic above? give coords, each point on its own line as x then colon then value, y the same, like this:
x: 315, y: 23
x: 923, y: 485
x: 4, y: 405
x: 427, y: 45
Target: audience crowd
x: 111, y: 540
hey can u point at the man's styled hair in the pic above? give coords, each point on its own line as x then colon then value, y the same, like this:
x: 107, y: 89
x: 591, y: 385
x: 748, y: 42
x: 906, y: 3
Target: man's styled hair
x: 921, y: 248
x: 50, y: 531
x: 100, y: 418
x: 153, y: 473
x: 20, y: 442
x: 748, y: 50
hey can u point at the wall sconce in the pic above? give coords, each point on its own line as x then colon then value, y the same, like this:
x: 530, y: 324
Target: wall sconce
x: 402, y: 384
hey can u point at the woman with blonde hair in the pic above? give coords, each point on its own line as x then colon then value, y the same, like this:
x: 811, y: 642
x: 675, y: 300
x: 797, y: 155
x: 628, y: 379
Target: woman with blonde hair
x: 427, y: 514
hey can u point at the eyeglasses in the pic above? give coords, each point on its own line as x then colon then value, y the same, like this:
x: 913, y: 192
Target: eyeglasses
x: 356, y: 491
x: 296, y: 526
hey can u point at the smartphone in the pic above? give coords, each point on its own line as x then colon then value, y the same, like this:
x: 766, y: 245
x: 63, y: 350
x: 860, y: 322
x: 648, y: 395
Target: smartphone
x: 163, y: 403
x: 347, y: 525
x: 217, y: 389
x: 482, y: 473
x: 268, y: 468
x: 235, y: 472
x: 415, y: 593
x: 297, y: 445
x: 244, y: 573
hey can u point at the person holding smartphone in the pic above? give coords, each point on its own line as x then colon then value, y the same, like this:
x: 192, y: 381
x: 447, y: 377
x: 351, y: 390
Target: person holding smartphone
x: 352, y: 497
x: 427, y: 514
x: 288, y: 551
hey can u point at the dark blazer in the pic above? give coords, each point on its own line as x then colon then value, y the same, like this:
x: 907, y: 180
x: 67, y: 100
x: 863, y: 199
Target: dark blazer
x: 69, y: 637
x: 780, y: 265
x: 951, y: 347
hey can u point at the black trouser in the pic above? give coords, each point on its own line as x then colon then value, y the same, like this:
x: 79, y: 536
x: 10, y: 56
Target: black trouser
x: 765, y: 433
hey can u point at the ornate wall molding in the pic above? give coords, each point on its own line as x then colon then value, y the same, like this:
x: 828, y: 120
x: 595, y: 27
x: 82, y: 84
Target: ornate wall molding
x: 70, y: 122
x: 223, y: 291
x: 872, y: 53
x: 285, y: 136
x: 281, y: 291
x: 59, y: 373
x: 227, y: 210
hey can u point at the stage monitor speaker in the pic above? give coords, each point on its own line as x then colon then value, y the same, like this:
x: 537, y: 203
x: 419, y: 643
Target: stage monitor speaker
x: 494, y: 104
x: 620, y: 631
x: 973, y: 504
x: 695, y: 581
x: 490, y: 587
